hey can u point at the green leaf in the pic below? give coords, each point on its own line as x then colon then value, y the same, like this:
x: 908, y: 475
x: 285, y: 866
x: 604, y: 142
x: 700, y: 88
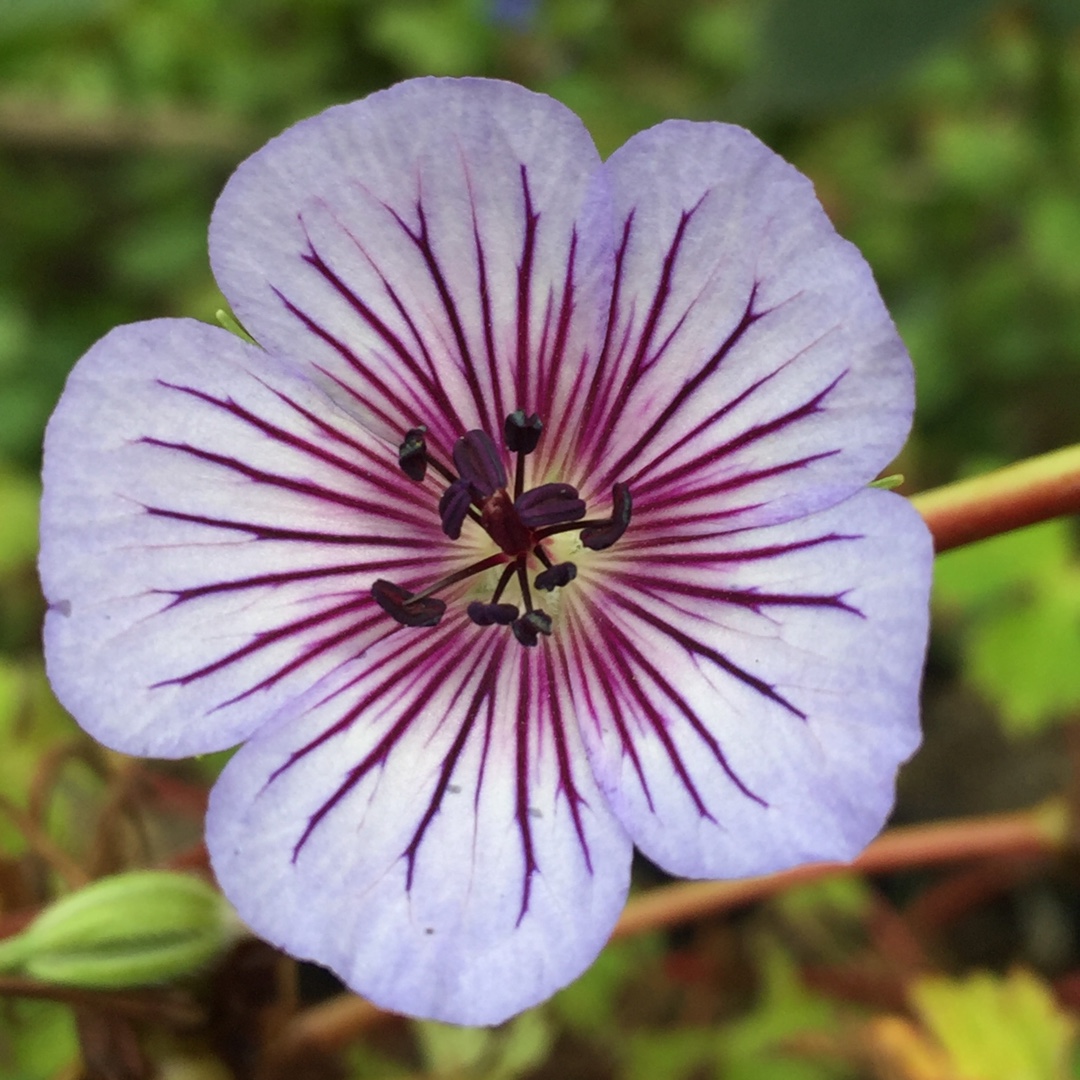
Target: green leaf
x: 446, y: 38
x: 1019, y: 600
x: 669, y: 1055
x: 588, y: 1004
x: 823, y: 51
x: 19, y: 497
x: 38, y: 1040
x: 22, y: 16
x: 997, y: 1028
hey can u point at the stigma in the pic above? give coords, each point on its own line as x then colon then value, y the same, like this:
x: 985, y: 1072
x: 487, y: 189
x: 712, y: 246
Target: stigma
x: 517, y: 520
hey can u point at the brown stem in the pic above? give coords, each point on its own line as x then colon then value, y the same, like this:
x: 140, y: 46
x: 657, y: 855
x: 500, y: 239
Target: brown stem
x: 1035, y: 490
x: 337, y: 1022
x: 1045, y: 828
x: 169, y: 1006
x: 39, y: 840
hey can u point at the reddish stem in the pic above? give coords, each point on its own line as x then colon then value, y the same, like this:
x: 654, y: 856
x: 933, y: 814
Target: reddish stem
x: 1034, y: 490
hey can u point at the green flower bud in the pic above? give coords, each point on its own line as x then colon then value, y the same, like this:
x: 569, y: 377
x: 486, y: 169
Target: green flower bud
x: 140, y: 927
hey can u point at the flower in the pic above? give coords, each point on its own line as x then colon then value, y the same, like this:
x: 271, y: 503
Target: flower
x: 535, y: 527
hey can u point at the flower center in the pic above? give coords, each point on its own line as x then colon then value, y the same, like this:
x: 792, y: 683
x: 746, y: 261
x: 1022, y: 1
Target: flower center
x: 517, y: 524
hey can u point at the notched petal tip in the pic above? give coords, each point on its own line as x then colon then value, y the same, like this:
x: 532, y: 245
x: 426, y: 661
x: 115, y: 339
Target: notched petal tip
x: 405, y: 608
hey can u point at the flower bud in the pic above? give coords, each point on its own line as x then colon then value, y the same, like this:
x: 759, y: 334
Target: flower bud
x: 135, y: 928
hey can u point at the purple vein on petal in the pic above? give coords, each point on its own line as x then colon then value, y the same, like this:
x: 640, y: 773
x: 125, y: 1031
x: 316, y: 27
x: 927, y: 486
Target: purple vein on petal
x: 312, y: 652
x: 427, y: 379
x: 680, y: 496
x: 746, y: 321
x: 292, y: 440
x: 386, y: 465
x: 746, y: 598
x: 405, y: 409
x: 434, y: 680
x: 286, y: 577
x: 288, y: 483
x: 632, y: 695
x: 610, y: 357
x: 525, y: 708
x: 567, y: 788
x: 623, y: 648
x: 639, y: 363
x: 808, y: 408
x: 699, y: 648
x: 421, y: 238
x: 552, y: 367
x: 261, y: 531
x: 494, y: 368
x: 693, y: 559
x: 598, y: 666
x: 265, y: 638
x: 413, y: 652
x: 524, y: 380
x: 714, y: 417
x: 484, y: 692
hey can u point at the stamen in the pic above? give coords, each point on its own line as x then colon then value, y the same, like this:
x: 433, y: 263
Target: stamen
x: 404, y: 607
x: 518, y: 526
x: 412, y: 454
x: 556, y: 576
x: 454, y: 507
x: 460, y: 575
x: 523, y: 583
x: 528, y: 628
x: 492, y: 614
x: 522, y: 432
x: 479, y: 463
x: 549, y: 504
x: 604, y: 534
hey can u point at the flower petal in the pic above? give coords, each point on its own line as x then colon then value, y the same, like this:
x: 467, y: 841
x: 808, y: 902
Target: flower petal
x: 746, y: 701
x: 421, y: 248
x: 211, y: 527
x: 426, y: 824
x: 750, y: 371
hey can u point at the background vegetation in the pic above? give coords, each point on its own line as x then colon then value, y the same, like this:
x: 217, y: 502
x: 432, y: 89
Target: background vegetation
x: 944, y: 139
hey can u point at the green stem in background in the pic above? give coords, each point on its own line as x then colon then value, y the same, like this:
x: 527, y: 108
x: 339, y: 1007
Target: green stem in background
x: 1034, y: 490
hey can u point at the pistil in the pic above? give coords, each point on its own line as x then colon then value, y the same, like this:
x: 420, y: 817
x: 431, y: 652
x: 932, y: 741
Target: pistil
x: 518, y: 525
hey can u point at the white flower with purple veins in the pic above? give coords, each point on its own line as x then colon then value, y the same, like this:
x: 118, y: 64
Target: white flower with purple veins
x: 535, y: 528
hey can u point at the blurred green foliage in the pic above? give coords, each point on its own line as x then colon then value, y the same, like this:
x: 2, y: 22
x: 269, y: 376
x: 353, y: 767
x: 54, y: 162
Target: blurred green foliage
x: 944, y: 139
x: 1018, y: 597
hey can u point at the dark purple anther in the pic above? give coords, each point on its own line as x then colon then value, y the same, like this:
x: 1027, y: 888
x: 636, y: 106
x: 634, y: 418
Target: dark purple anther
x: 453, y: 506
x: 402, y: 605
x: 522, y: 432
x: 478, y: 462
x: 492, y: 614
x: 555, y: 577
x: 598, y: 537
x: 549, y: 504
x: 530, y: 626
x: 412, y: 454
